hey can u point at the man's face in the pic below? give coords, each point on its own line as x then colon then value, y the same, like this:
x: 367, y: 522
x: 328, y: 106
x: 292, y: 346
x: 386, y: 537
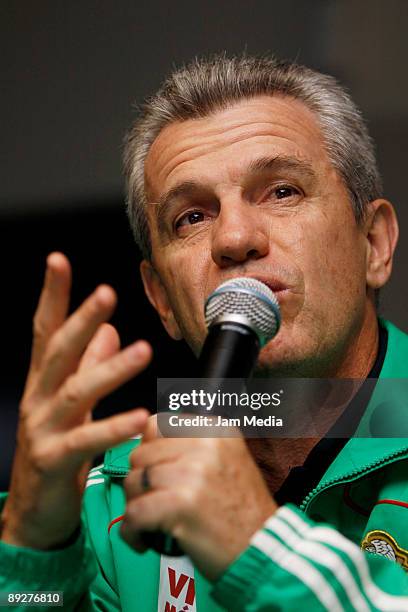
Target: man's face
x: 250, y: 191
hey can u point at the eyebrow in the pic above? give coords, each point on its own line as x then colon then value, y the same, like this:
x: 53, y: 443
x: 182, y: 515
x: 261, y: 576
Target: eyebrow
x: 281, y: 163
x: 185, y: 188
x: 277, y: 163
x: 181, y: 189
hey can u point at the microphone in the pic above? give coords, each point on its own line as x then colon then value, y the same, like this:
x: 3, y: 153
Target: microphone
x: 242, y: 315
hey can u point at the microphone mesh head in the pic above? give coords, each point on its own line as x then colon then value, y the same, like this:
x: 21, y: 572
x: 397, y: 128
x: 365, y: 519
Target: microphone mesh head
x: 247, y: 298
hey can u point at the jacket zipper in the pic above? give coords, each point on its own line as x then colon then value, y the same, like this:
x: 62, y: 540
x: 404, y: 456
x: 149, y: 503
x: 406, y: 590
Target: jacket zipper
x: 350, y: 476
x: 113, y: 472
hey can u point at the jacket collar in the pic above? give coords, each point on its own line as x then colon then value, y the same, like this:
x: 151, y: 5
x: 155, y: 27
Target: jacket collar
x: 362, y: 452
x: 359, y: 453
x: 116, y: 462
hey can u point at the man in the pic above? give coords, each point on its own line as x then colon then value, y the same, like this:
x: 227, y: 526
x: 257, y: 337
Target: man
x: 240, y: 167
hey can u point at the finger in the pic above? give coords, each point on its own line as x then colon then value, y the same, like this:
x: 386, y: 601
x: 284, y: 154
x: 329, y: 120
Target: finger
x: 69, y: 342
x: 52, y: 306
x: 86, y: 441
x: 154, y: 511
x: 163, y: 449
x: 151, y: 431
x: 134, y: 535
x: 162, y: 475
x: 88, y: 386
x: 104, y: 344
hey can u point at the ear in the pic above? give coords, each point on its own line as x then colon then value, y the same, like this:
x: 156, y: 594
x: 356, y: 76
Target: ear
x: 157, y: 296
x: 382, y: 236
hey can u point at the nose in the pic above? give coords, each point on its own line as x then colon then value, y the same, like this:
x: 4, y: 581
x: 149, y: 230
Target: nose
x: 239, y: 234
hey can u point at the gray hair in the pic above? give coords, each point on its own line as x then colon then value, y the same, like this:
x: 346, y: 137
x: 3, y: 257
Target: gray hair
x: 205, y: 86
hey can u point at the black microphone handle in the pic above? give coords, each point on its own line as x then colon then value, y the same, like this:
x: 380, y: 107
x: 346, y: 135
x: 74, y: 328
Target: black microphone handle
x: 162, y: 543
x: 230, y: 351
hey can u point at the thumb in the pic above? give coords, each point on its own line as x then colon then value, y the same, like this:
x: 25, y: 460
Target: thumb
x: 150, y: 431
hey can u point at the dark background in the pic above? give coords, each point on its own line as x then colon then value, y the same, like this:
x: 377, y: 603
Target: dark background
x: 71, y: 71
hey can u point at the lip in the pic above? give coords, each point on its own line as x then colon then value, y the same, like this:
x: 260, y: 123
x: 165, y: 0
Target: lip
x: 275, y: 285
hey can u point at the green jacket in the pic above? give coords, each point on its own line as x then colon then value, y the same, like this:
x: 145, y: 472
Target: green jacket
x: 302, y: 559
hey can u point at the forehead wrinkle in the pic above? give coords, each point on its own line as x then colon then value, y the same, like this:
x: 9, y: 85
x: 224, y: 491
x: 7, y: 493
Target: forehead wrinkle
x: 296, y: 161
x: 185, y: 155
x: 235, y: 132
x: 199, y: 141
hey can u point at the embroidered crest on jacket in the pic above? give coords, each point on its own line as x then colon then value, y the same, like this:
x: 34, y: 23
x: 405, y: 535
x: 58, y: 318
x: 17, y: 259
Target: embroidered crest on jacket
x: 382, y: 543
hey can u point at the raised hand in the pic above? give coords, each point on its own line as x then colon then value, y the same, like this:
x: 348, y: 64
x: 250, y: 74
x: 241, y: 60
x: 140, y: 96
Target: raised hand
x: 75, y: 362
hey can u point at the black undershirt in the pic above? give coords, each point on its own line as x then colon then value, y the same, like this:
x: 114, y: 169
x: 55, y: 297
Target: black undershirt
x: 304, y: 478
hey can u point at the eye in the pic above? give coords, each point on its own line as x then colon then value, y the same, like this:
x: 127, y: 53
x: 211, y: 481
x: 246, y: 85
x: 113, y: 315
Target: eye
x: 285, y: 192
x: 190, y: 218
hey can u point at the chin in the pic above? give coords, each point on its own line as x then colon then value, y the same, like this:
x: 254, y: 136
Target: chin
x: 277, y: 363
x: 285, y: 359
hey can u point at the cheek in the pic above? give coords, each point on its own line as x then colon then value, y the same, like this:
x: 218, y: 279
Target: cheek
x: 334, y: 264
x: 186, y: 281
x: 346, y: 258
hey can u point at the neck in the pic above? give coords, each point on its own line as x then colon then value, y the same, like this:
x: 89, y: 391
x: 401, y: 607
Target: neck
x: 275, y: 457
x: 362, y: 348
